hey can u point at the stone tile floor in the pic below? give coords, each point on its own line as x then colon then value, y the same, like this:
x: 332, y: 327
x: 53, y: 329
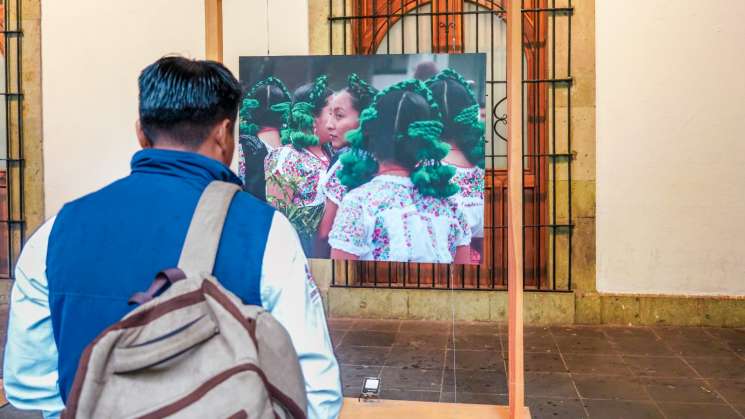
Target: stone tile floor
x: 572, y: 372
x: 605, y: 372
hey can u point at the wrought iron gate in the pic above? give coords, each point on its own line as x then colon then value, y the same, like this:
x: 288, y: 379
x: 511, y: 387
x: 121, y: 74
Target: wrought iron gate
x: 12, y: 220
x: 457, y: 26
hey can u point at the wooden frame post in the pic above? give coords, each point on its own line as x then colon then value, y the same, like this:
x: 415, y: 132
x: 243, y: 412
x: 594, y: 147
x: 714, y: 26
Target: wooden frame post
x: 213, y: 29
x: 515, y: 375
x: 353, y: 408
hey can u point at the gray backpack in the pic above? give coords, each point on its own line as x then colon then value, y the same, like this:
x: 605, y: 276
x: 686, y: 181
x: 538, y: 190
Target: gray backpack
x: 195, y: 351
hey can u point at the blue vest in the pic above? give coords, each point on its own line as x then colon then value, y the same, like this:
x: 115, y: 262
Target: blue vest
x: 110, y: 244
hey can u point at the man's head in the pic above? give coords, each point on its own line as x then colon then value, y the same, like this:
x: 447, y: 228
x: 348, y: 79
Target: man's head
x: 189, y: 105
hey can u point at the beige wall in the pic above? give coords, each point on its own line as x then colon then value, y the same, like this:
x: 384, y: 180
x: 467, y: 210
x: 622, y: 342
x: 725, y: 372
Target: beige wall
x: 245, y: 30
x: 257, y: 28
x: 92, y: 55
x: 670, y: 149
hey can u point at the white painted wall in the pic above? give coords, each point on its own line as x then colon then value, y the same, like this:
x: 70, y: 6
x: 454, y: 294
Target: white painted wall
x: 670, y: 148
x: 92, y: 53
x: 260, y: 28
x: 246, y: 33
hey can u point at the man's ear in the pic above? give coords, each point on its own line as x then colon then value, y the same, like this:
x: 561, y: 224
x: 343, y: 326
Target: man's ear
x: 224, y: 138
x: 141, y: 137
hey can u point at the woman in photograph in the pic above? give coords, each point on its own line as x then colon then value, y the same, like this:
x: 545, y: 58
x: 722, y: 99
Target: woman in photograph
x: 292, y: 171
x: 259, y: 132
x: 398, y: 206
x: 463, y: 130
x: 345, y: 116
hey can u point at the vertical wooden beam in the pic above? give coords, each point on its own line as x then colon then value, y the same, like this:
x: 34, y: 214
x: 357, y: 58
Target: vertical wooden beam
x: 213, y: 29
x: 516, y: 379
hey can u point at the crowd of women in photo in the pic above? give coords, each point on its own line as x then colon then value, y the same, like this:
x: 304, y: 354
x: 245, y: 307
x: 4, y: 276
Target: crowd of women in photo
x: 362, y: 174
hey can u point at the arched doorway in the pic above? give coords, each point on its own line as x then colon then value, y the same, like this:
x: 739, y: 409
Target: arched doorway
x: 456, y: 26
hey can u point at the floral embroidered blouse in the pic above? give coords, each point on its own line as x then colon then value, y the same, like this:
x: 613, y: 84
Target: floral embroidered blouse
x: 387, y: 219
x: 471, y: 197
x: 330, y: 186
x: 299, y: 170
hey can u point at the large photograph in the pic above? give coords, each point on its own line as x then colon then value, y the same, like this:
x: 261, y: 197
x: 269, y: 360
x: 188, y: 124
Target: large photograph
x: 377, y: 158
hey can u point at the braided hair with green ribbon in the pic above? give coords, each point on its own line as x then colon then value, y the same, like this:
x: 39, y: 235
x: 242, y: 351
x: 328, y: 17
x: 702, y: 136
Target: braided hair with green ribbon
x: 402, y: 125
x: 362, y: 92
x: 255, y: 110
x: 461, y: 118
x: 299, y: 114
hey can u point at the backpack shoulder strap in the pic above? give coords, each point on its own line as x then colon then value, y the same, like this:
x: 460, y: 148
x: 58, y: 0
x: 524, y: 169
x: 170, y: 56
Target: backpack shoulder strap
x: 203, y: 237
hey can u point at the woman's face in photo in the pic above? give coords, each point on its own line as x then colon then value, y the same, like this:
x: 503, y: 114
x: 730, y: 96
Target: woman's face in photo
x: 342, y: 119
x: 321, y: 122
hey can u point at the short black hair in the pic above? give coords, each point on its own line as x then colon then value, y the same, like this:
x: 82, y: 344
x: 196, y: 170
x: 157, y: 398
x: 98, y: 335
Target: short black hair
x: 184, y: 99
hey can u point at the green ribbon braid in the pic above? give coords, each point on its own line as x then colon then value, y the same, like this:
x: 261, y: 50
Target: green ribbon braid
x: 250, y: 103
x: 429, y: 176
x: 360, y: 89
x: 298, y: 117
x: 471, y: 127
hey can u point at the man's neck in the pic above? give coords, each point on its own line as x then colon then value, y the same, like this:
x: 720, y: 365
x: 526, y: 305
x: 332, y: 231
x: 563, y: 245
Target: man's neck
x: 202, y: 150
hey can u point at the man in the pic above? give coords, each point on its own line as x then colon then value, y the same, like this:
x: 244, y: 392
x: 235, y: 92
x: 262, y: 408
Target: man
x: 77, y: 271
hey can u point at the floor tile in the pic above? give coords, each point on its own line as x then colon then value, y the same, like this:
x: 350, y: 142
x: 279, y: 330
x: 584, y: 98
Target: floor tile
x: 729, y: 367
x: 578, y: 331
x: 674, y: 332
x: 698, y: 411
x: 584, y: 344
x: 475, y: 341
x: 340, y: 324
x: 647, y: 366
x: 610, y: 387
x: 481, y: 328
x: 695, y: 346
x: 535, y: 340
x: 544, y: 408
x: 681, y: 390
x: 421, y: 340
x: 369, y: 338
x: 538, y: 343
x: 411, y: 379
x: 377, y: 325
x: 732, y: 390
x: 362, y: 355
x: 727, y: 333
x: 733, y: 338
x: 475, y: 381
x: 550, y: 384
x: 475, y: 360
x: 622, y: 409
x: 426, y: 327
x: 596, y: 364
x: 337, y: 337
x: 640, y: 345
x: 410, y: 357
x: 544, y: 362
x: 620, y: 332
